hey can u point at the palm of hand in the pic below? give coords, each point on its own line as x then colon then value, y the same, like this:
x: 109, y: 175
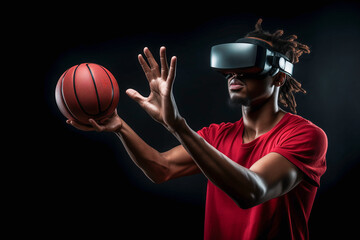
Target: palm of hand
x: 154, y: 104
x: 160, y: 104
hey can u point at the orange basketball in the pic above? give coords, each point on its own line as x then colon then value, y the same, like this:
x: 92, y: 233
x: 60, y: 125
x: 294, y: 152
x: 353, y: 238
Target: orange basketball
x: 85, y: 91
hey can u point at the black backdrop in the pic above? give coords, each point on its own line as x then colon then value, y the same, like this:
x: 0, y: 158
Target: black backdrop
x: 83, y: 184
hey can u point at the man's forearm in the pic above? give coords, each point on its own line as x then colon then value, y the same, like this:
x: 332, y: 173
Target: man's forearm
x: 148, y: 159
x: 241, y: 184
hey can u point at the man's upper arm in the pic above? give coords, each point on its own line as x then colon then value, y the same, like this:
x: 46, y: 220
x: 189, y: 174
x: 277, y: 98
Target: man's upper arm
x: 180, y: 163
x: 277, y: 174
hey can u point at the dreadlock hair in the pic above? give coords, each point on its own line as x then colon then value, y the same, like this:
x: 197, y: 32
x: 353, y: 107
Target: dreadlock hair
x: 290, y: 48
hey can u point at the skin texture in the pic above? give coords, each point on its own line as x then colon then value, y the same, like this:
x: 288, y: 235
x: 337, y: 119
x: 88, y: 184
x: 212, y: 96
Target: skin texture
x: 270, y: 177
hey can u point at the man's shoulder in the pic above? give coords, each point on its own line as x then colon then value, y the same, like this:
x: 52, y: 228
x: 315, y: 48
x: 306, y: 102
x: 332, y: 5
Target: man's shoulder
x: 298, y: 124
x: 225, y: 126
x: 218, y: 129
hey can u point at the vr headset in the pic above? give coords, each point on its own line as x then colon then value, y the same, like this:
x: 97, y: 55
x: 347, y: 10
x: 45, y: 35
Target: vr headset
x: 250, y: 57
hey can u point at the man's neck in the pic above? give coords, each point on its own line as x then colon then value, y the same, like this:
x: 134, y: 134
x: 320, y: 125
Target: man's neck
x: 261, y: 118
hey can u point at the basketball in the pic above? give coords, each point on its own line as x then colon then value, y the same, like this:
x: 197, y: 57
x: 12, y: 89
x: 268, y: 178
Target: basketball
x: 85, y: 91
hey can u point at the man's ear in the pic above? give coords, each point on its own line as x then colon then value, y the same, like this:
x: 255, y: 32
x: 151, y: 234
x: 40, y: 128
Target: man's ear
x: 279, y: 79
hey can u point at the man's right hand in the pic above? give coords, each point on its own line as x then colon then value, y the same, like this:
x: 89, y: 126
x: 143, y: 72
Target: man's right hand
x: 111, y: 124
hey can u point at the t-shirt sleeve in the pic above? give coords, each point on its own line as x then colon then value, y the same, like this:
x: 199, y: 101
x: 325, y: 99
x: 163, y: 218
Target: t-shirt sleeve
x: 306, y: 148
x: 211, y: 132
x: 207, y: 133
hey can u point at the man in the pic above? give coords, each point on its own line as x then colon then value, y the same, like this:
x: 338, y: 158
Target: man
x: 263, y: 170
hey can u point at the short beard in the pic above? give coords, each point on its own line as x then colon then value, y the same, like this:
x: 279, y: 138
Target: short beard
x: 238, y: 102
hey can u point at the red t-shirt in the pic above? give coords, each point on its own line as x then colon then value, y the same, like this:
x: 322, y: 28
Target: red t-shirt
x: 285, y: 217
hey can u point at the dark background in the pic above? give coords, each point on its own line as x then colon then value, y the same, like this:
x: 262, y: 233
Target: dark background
x: 83, y: 184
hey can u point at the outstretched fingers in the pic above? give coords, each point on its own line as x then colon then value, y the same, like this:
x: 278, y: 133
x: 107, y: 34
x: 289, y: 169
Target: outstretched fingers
x: 151, y: 67
x: 164, y: 63
x: 137, y: 97
x: 152, y: 62
x: 148, y: 73
x: 172, y: 71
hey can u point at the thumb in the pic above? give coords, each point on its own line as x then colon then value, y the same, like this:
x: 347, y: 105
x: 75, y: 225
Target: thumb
x: 137, y: 97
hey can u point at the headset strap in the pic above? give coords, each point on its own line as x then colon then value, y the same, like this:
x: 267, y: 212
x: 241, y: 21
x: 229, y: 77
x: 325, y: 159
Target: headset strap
x: 279, y: 60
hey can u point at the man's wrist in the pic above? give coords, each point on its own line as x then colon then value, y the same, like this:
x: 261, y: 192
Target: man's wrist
x: 118, y: 128
x: 178, y: 126
x: 117, y: 131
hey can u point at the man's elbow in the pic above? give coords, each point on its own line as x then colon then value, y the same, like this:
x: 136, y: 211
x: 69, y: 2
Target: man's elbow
x: 252, y: 198
x: 247, y: 202
x: 158, y: 179
x: 159, y: 176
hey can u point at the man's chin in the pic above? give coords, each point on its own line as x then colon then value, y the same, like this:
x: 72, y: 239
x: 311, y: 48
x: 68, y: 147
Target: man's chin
x: 238, y: 101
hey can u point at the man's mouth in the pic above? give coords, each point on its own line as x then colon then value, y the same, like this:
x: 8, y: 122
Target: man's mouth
x: 235, y: 84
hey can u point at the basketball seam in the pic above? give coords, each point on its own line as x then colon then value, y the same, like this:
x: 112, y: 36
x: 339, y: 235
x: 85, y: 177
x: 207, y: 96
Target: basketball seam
x: 112, y: 88
x: 76, y: 96
x: 63, y: 98
x: 96, y: 91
